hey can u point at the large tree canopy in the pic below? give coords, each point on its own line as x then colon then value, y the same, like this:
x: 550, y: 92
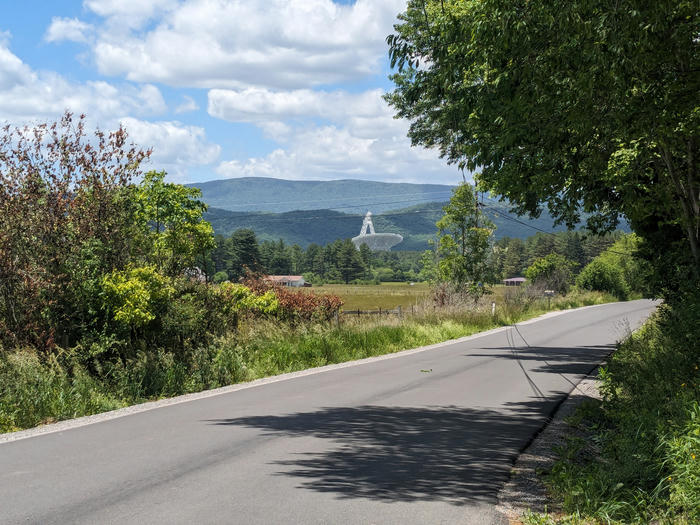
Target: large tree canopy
x: 581, y: 105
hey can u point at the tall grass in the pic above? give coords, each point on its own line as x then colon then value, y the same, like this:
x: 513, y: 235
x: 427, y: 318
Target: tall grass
x: 640, y: 458
x: 36, y: 390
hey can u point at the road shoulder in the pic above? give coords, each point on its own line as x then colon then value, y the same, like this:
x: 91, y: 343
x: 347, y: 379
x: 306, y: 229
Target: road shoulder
x: 525, y: 490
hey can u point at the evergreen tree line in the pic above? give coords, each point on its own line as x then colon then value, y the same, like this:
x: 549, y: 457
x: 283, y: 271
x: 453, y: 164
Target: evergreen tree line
x: 512, y: 256
x: 341, y: 262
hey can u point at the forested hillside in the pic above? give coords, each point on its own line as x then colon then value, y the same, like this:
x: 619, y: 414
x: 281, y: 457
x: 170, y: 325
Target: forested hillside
x: 415, y: 223
x: 349, y: 196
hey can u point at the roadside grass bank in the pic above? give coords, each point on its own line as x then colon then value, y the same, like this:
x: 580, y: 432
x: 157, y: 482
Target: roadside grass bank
x: 37, y: 389
x: 634, y: 456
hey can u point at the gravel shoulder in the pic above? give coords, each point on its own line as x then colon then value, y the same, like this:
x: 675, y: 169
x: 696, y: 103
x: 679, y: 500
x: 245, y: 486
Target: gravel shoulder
x: 525, y: 490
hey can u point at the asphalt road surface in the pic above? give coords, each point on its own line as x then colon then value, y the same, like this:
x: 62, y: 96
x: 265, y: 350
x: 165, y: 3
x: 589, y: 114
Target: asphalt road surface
x: 427, y: 437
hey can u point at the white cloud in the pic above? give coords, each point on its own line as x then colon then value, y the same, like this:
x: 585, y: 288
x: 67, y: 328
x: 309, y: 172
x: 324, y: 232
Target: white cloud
x: 188, y: 104
x: 13, y: 72
x: 260, y: 104
x: 330, y: 152
x: 70, y: 29
x: 130, y: 13
x: 28, y: 96
x: 357, y: 137
x: 176, y: 147
x: 240, y: 43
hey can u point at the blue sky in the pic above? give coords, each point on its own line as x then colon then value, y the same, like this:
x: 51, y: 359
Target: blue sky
x: 219, y: 88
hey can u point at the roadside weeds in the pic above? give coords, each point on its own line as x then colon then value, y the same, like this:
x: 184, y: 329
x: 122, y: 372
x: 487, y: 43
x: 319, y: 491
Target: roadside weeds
x: 525, y: 491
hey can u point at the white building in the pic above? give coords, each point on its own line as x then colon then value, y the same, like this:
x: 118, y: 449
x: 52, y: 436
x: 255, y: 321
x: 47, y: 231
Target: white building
x: 295, y: 281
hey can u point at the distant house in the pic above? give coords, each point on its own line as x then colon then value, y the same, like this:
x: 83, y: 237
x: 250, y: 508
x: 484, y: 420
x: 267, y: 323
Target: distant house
x: 296, y: 281
x: 514, y: 281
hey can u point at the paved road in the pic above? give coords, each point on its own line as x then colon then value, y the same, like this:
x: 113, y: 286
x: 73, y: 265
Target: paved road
x: 422, y: 438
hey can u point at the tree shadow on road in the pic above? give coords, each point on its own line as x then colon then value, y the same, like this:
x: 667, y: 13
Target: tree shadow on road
x: 451, y: 454
x: 574, y: 360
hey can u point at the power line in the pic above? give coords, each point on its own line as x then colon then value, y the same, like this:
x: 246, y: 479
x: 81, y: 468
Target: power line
x: 263, y: 218
x: 506, y: 216
x: 362, y: 205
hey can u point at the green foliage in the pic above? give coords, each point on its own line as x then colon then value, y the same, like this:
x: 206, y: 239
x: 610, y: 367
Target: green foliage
x: 241, y: 300
x: 582, y: 106
x: 220, y: 277
x: 428, y: 271
x: 35, y: 391
x: 350, y: 263
x: 172, y: 225
x: 242, y: 253
x: 554, y: 272
x: 647, y: 429
x: 624, y: 254
x: 136, y: 296
x: 604, y: 277
x: 67, y: 216
x: 463, y: 243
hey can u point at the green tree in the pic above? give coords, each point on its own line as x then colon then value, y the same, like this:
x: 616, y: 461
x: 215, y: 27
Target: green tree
x: 463, y: 243
x: 580, y: 105
x: 67, y: 217
x: 538, y: 246
x: 554, y: 272
x: 281, y: 262
x: 177, y: 237
x: 514, y: 258
x: 428, y: 271
x: 217, y: 259
x: 296, y: 257
x: 366, y: 257
x: 312, y: 251
x: 623, y: 256
x: 242, y: 252
x: 570, y: 246
x: 349, y: 262
x: 603, y: 276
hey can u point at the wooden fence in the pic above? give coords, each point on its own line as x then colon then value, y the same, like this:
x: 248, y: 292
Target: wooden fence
x: 379, y: 311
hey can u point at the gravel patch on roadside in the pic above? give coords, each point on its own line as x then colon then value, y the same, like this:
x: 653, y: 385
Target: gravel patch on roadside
x: 525, y: 490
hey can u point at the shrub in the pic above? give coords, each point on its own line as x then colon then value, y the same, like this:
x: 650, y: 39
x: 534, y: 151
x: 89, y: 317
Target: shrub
x: 135, y: 297
x: 237, y: 299
x: 295, y: 305
x: 220, y: 277
x: 554, y: 272
x: 604, y: 277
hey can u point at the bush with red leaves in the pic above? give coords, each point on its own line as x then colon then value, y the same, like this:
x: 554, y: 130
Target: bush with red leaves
x: 296, y: 305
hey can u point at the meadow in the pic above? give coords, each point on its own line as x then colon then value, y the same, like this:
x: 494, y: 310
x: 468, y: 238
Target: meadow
x: 388, y: 296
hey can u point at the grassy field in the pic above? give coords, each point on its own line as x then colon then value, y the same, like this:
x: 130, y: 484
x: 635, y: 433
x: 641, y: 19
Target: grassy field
x: 387, y: 296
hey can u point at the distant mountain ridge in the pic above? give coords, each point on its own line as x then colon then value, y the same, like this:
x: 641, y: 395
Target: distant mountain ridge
x: 350, y: 196
x: 306, y: 212
x: 416, y: 224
